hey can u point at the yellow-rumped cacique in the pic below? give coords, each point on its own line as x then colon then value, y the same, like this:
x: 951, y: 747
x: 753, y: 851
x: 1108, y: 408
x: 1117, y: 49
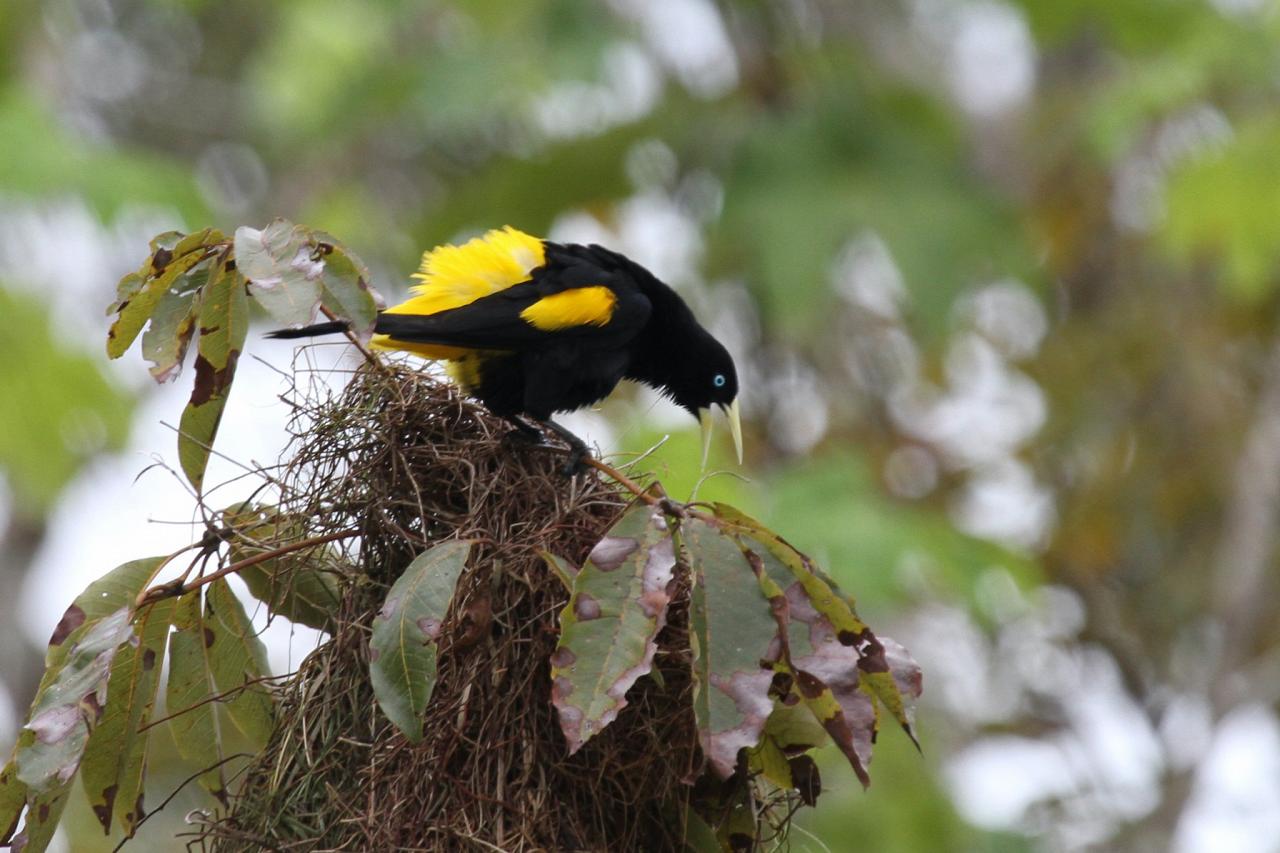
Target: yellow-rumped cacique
x: 531, y: 327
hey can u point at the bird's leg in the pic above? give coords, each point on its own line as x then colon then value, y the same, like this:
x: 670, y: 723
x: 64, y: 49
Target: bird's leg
x: 578, y: 451
x: 524, y: 433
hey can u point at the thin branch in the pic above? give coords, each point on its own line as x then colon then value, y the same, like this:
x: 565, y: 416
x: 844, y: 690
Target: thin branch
x: 172, y: 590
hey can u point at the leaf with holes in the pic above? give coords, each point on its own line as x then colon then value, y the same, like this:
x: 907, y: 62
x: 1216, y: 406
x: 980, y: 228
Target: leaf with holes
x: 892, y: 689
x: 72, y: 704
x: 173, y: 256
x: 609, y: 628
x: 190, y: 692
x: 731, y: 631
x: 224, y: 322
x: 302, y: 586
x: 284, y: 268
x: 115, y: 758
x: 238, y: 663
x: 402, y: 651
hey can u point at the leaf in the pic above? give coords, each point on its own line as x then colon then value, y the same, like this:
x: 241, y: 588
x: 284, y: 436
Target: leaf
x: 115, y: 758
x: 138, y: 304
x: 731, y: 631
x: 300, y: 586
x: 224, y: 322
x: 402, y: 651
x: 608, y: 630
x: 238, y: 663
x: 173, y: 323
x: 769, y: 761
x: 189, y: 695
x: 13, y: 797
x: 116, y: 589
x: 344, y: 286
x: 72, y: 704
x: 42, y: 820
x: 283, y: 268
x: 818, y: 670
x: 847, y: 629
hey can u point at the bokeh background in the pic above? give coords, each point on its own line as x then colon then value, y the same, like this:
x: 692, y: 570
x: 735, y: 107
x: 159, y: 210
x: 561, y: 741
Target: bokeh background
x: 1000, y: 276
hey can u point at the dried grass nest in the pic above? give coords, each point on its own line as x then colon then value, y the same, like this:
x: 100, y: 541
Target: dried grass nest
x: 405, y: 459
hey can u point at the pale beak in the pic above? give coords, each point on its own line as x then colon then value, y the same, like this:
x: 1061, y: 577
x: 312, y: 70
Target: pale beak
x: 735, y: 429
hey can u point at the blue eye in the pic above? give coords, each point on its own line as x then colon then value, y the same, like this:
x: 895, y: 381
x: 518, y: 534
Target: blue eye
x: 719, y: 381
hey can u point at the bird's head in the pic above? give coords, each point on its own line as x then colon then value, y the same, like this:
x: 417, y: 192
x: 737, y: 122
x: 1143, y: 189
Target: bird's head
x: 707, y: 378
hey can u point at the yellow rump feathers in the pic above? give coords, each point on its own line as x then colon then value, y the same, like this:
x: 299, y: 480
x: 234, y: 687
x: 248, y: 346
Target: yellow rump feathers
x: 581, y: 306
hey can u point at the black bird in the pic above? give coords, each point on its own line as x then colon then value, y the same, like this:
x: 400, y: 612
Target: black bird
x: 531, y: 327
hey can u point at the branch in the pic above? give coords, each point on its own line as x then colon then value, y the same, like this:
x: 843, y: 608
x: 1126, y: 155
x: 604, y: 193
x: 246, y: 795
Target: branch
x: 180, y: 587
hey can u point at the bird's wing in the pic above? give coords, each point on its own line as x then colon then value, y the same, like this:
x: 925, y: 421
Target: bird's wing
x: 525, y: 316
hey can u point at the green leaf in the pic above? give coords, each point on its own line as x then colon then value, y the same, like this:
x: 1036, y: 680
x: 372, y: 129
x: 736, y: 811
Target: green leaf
x: 402, y: 651
x: 42, y: 820
x: 72, y: 704
x: 238, y: 661
x: 769, y: 761
x: 139, y: 305
x: 116, y: 589
x: 189, y: 695
x: 224, y: 322
x: 301, y: 586
x: 344, y: 286
x: 608, y: 630
x: 115, y: 758
x: 283, y: 268
x: 13, y: 797
x: 731, y: 630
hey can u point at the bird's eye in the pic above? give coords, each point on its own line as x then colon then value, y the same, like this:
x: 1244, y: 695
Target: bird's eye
x: 719, y: 380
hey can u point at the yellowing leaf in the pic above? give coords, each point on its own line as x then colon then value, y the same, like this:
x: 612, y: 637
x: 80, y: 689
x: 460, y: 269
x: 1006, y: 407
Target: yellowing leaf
x: 402, y: 651
x: 609, y: 627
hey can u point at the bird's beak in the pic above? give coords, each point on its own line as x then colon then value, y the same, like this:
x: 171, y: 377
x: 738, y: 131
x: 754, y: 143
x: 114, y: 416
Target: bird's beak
x: 735, y: 429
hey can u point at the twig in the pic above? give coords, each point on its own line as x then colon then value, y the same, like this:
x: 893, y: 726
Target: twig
x: 174, y: 589
x: 355, y: 341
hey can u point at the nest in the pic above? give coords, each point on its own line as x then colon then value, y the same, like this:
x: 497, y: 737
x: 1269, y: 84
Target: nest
x: 409, y: 462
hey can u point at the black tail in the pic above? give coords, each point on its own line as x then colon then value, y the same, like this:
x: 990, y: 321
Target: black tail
x: 308, y: 331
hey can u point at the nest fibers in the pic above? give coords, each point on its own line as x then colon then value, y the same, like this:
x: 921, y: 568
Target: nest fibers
x: 409, y: 462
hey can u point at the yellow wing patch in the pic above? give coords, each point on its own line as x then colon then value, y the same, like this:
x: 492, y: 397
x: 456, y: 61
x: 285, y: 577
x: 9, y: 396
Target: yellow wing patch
x: 581, y: 306
x: 454, y: 276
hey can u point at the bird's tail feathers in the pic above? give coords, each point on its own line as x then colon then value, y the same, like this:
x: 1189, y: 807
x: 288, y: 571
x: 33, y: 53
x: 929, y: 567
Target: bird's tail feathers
x: 312, y: 330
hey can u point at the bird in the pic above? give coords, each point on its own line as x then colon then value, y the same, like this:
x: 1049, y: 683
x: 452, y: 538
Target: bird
x: 532, y: 328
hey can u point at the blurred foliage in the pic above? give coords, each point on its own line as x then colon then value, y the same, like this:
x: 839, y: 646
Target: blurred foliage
x: 1128, y: 187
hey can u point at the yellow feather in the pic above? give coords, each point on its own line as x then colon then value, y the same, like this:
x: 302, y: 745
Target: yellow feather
x: 454, y: 276
x: 581, y: 306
